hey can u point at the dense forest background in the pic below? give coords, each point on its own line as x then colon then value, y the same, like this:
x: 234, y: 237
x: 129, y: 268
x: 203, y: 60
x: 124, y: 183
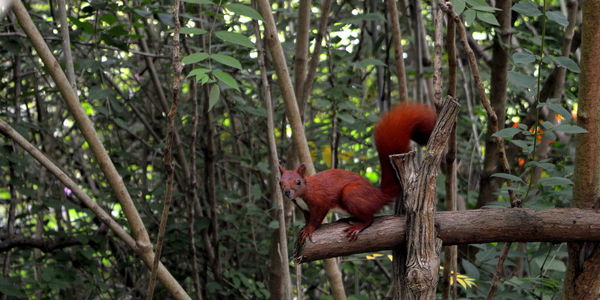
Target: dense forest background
x: 192, y: 131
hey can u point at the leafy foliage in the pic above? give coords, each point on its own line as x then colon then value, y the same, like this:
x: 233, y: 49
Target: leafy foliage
x: 354, y: 79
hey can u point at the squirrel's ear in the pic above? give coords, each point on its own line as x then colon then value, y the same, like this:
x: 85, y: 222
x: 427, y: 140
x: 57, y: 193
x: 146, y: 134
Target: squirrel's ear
x: 281, y: 170
x: 301, y: 170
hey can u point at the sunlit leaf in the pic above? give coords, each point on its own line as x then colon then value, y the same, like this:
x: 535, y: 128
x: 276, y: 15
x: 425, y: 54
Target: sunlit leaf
x: 227, y: 60
x: 470, y: 16
x: 235, y: 38
x: 552, y: 181
x: 572, y: 129
x: 568, y: 63
x: 458, y: 6
x: 226, y: 79
x: 244, y: 10
x: 527, y: 8
x: 557, y: 108
x: 194, y: 58
x: 558, y: 18
x: 488, y: 18
x: 198, y: 1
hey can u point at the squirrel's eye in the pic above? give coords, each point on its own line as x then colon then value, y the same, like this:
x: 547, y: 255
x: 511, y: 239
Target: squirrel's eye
x: 298, y: 182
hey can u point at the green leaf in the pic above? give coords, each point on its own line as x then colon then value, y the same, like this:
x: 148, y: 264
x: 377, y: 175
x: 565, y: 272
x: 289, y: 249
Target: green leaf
x: 508, y: 177
x: 244, y: 10
x: 557, y: 108
x: 346, y: 117
x: 214, y: 96
x: 484, y: 8
x: 488, y: 18
x: 470, y: 16
x: 521, y: 80
x: 274, y: 224
x: 558, y: 18
x: 10, y: 290
x: 166, y: 19
x: 194, y: 58
x: 369, y: 62
x: 544, y: 165
x: 555, y: 265
x: 202, y: 223
x: 121, y: 123
x: 201, y: 75
x: 572, y: 129
x: 142, y: 12
x: 507, y: 132
x: 477, y: 3
x: 521, y: 144
x: 198, y: 1
x: 523, y: 57
x: 197, y: 31
x: 470, y: 269
x: 568, y: 63
x: 458, y: 6
x: 226, y: 79
x: 551, y: 181
x: 198, y: 71
x: 527, y: 8
x: 98, y: 93
x: 108, y: 18
x: 227, y: 60
x: 235, y: 38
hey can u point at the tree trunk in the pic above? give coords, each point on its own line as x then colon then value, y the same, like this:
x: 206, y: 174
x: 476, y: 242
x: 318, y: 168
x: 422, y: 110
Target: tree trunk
x: 488, y: 186
x: 582, y: 280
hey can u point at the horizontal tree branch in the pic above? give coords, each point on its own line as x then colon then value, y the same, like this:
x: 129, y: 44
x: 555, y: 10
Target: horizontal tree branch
x: 44, y: 244
x: 460, y: 227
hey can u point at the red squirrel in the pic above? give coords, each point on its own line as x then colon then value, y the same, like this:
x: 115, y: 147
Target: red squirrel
x: 343, y: 190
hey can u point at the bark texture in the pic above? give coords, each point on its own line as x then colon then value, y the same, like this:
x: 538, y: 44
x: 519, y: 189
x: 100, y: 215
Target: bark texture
x: 461, y: 227
x: 582, y: 280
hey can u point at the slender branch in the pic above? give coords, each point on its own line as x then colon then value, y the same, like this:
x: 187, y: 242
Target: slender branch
x: 451, y: 252
x: 85, y: 124
x: 398, y: 49
x: 293, y: 114
x: 148, y: 256
x: 168, y: 158
x: 56, y: 38
x: 301, y: 58
x: 492, y: 117
x: 66, y: 42
x: 193, y: 191
x: 314, y: 60
x: 276, y: 196
x: 142, y: 241
x: 105, y: 217
x: 44, y: 244
x: 437, y: 58
x: 498, y: 272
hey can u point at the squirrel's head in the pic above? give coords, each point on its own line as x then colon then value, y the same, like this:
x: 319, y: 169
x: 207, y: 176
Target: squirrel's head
x: 292, y: 182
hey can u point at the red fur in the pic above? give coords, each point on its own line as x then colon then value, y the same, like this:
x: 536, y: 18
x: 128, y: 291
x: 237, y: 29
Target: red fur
x: 341, y: 189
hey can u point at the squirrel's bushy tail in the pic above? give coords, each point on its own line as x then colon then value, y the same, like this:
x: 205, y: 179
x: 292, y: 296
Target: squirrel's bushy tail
x: 393, y: 133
